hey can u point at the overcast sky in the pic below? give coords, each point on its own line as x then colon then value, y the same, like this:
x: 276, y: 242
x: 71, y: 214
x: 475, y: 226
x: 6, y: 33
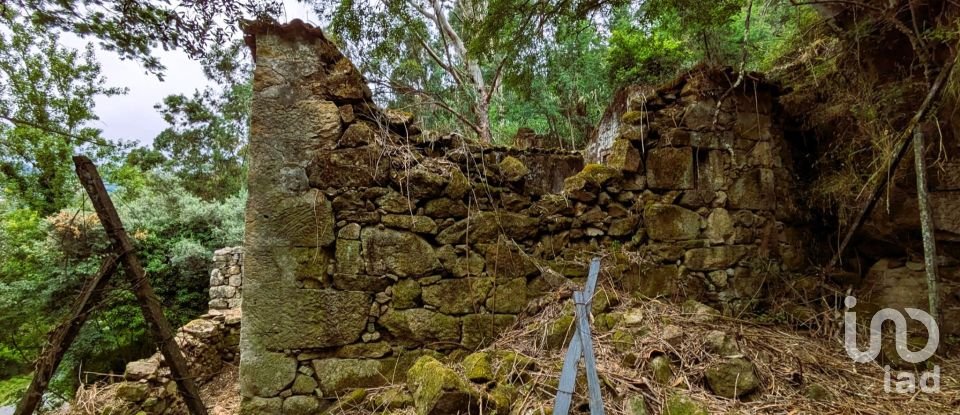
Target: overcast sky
x: 132, y: 116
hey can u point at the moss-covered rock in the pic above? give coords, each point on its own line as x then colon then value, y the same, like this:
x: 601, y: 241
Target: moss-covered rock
x: 393, y: 398
x: 509, y: 297
x: 469, y: 263
x: 512, y: 169
x: 636, y: 405
x: 488, y: 226
x: 457, y: 186
x: 699, y: 311
x: 585, y: 185
x: 623, y: 341
x: 458, y: 296
x: 503, y: 396
x: 661, y: 370
x: 414, y: 223
x: 682, y: 405
x: 606, y: 321
x: 421, y: 325
x: 439, y: 390
x: 732, y: 378
x: 670, y: 222
x: 406, y: 294
x: 512, y: 366
x: 303, y: 385
x: 133, y: 391
x: 443, y: 208
x: 337, y: 375
x: 478, y: 367
x: 261, y: 406
x: 396, y: 252
x: 504, y: 260
x: 720, y: 343
x: 714, y: 258
x: 482, y: 329
x: 624, y: 156
x: 301, y: 405
x: 559, y: 332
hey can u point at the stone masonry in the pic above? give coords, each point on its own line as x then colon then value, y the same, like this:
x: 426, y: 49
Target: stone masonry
x: 368, y: 245
x: 226, y: 279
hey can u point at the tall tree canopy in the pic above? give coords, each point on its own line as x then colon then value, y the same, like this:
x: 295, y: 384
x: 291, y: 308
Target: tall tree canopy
x: 46, y: 102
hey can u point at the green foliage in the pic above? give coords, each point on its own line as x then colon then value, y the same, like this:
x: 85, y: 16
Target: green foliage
x: 47, y: 96
x: 206, y: 142
x: 46, y: 261
x: 12, y: 389
x: 648, y: 55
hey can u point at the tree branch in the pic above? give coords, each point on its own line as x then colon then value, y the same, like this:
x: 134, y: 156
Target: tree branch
x: 743, y: 64
x: 23, y: 122
x: 433, y: 100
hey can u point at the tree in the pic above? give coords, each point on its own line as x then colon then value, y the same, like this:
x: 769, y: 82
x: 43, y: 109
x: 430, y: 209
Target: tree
x: 46, y: 100
x: 206, y: 140
x: 437, y: 33
x: 134, y: 28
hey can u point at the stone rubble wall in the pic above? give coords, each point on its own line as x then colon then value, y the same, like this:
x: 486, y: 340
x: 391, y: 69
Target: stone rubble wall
x: 368, y: 245
x: 208, y: 343
x: 226, y: 279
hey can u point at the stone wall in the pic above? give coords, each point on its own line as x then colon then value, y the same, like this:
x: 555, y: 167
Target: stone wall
x: 208, y: 344
x: 368, y: 245
x: 226, y: 279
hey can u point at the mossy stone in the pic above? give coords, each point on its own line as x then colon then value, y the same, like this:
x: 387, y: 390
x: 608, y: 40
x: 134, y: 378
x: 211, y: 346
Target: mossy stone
x: 478, y: 367
x: 661, y: 369
x: 559, y: 332
x: 406, y: 294
x: 623, y: 341
x: 682, y: 405
x: 301, y: 405
x: 421, y: 325
x: 503, y: 396
x: 394, y: 398
x: 304, y: 385
x: 133, y: 391
x: 261, y: 406
x: 512, y: 169
x: 636, y: 405
x: 342, y: 374
x: 438, y: 390
x: 732, y: 378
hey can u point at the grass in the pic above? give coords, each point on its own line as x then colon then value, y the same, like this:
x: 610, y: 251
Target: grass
x: 11, y: 389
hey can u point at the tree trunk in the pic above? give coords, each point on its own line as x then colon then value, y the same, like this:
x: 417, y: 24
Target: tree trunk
x: 926, y: 225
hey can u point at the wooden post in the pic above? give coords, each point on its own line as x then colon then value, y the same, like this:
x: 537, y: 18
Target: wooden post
x: 926, y: 226
x: 64, y: 335
x: 159, y: 327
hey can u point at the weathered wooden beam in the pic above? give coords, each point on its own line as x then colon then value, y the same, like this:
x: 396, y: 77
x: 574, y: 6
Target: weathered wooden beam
x: 568, y: 375
x: 120, y: 242
x: 64, y: 335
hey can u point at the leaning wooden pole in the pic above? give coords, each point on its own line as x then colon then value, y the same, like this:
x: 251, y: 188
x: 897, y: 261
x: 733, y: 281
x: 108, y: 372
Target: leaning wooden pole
x: 159, y: 327
x: 64, y: 335
x: 926, y: 226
